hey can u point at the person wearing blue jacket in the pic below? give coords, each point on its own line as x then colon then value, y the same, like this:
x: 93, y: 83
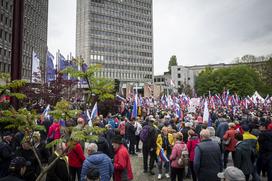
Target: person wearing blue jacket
x: 97, y: 160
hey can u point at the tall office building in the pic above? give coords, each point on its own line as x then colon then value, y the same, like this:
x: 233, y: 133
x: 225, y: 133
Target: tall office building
x: 117, y: 34
x: 35, y: 34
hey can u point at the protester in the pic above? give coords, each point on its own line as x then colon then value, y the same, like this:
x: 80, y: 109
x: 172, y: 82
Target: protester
x: 265, y: 152
x: 97, y: 160
x: 229, y: 142
x: 39, y: 145
x: 207, y: 160
x: 54, y: 131
x: 137, y: 133
x: 122, y: 166
x: 165, y: 143
x: 17, y: 169
x: 130, y: 135
x: 6, y: 154
x: 177, y: 170
x: 243, y: 155
x: 26, y: 151
x: 148, y: 137
x: 75, y: 158
x: 59, y: 171
x: 193, y: 140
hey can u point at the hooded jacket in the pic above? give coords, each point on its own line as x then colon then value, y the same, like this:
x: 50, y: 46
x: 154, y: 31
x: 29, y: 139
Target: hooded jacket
x: 191, y: 144
x: 100, y: 161
x: 242, y: 157
x: 122, y: 166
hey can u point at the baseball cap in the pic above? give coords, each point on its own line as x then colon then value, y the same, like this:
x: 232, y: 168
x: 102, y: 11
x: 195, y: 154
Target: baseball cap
x: 232, y: 174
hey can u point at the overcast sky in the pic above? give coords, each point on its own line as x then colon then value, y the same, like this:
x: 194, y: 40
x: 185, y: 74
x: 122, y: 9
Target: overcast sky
x: 196, y: 31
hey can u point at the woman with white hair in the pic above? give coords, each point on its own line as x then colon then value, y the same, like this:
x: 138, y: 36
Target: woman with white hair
x: 212, y: 135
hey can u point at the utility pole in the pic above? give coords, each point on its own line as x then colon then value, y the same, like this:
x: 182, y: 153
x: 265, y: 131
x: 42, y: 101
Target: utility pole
x: 17, y: 44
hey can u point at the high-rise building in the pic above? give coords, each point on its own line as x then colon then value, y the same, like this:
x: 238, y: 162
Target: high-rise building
x: 35, y: 34
x: 118, y: 34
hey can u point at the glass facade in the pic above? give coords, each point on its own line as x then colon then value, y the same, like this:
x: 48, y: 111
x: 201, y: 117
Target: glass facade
x: 35, y: 34
x: 118, y: 35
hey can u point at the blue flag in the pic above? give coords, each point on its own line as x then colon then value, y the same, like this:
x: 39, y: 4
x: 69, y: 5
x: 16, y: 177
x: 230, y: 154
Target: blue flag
x: 62, y: 65
x: 50, y: 67
x: 135, y: 107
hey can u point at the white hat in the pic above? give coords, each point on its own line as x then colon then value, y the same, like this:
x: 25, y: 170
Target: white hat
x: 232, y: 174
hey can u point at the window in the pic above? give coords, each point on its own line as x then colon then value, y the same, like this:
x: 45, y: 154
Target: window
x: 178, y: 75
x: 179, y: 82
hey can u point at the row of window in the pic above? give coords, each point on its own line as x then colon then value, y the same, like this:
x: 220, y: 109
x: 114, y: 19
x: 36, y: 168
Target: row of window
x: 121, y: 13
x: 120, y: 75
x: 97, y: 56
x: 122, y: 23
x: 159, y: 79
x: 127, y: 31
x: 120, y: 37
x: 121, y: 44
x: 126, y: 67
x: 127, y: 52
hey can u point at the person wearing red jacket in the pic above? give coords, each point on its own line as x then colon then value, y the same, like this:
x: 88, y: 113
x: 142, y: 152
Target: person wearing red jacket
x: 54, y: 131
x: 193, y: 140
x: 230, y: 147
x: 122, y: 166
x: 75, y: 159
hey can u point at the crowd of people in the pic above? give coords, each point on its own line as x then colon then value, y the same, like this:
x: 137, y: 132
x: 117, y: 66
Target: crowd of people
x: 172, y: 147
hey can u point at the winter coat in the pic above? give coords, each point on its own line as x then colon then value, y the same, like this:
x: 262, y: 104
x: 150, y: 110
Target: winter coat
x: 59, y: 171
x: 76, y: 156
x: 6, y: 155
x: 191, y: 144
x: 150, y: 142
x: 130, y: 131
x: 252, y: 140
x: 42, y: 152
x: 100, y: 161
x: 265, y: 141
x: 54, y: 130
x: 176, y: 153
x: 221, y: 128
x: 159, y: 143
x: 230, y: 134
x: 122, y: 166
x: 243, y: 156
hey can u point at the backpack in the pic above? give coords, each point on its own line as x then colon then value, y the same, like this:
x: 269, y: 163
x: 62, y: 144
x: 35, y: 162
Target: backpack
x: 184, y: 158
x: 144, y: 133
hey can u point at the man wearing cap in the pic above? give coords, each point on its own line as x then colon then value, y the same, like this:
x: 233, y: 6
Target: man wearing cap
x: 122, y: 166
x: 17, y: 169
x: 232, y: 174
x: 207, y: 160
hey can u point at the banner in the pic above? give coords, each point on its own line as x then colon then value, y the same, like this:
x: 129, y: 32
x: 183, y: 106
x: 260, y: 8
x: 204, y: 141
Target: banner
x: 36, y: 72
